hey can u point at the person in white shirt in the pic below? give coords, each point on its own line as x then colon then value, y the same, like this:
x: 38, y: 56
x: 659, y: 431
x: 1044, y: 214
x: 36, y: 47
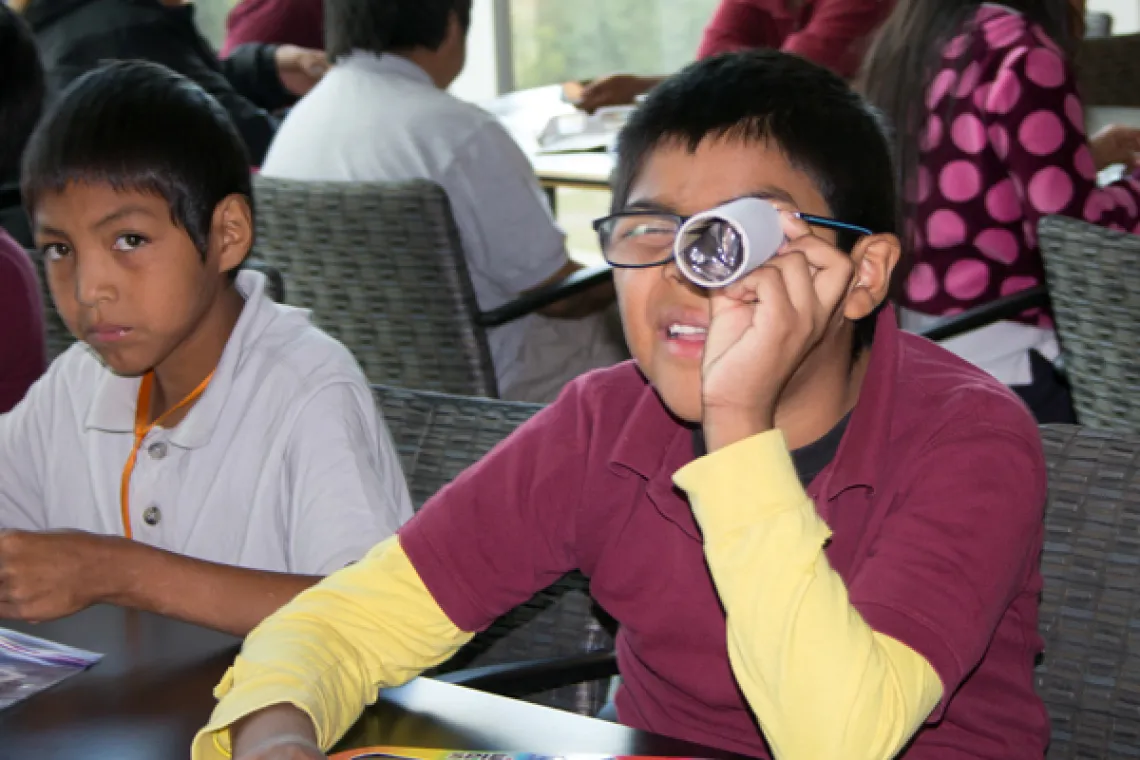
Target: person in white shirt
x: 203, y: 452
x: 382, y: 114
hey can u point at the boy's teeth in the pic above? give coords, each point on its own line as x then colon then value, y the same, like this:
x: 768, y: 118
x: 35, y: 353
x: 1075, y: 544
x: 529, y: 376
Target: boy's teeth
x: 678, y: 330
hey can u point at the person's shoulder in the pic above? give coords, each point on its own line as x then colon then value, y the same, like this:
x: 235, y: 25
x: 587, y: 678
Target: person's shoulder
x: 297, y: 356
x: 1009, y: 37
x: 605, y: 398
x: 73, y: 378
x: 944, y: 396
x: 461, y: 121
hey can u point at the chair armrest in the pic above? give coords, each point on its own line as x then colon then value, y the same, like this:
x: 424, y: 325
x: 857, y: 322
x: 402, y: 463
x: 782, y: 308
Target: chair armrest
x: 988, y: 313
x: 516, y: 679
x: 540, y: 298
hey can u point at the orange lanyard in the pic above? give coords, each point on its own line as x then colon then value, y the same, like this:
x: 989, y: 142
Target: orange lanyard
x: 142, y: 411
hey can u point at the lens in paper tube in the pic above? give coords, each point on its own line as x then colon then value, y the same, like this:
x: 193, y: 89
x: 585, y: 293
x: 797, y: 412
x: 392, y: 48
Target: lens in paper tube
x: 717, y: 247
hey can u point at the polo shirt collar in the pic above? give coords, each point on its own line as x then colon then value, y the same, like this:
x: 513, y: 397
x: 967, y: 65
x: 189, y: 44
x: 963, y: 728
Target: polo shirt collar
x: 648, y: 445
x: 859, y: 460
x: 389, y: 64
x: 647, y: 435
x: 113, y: 406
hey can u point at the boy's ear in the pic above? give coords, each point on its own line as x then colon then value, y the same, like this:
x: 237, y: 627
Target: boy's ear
x: 875, y: 257
x: 231, y: 232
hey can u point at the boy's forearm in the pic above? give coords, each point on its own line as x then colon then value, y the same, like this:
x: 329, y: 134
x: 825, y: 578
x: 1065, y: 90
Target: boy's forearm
x: 223, y: 597
x: 370, y: 626
x: 272, y: 724
x: 797, y: 647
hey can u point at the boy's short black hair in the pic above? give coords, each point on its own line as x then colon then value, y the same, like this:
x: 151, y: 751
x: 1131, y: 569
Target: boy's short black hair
x: 378, y: 26
x: 140, y: 126
x: 22, y: 90
x: 820, y: 124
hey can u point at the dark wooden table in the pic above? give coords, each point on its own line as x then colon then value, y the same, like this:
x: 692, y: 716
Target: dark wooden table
x: 153, y: 691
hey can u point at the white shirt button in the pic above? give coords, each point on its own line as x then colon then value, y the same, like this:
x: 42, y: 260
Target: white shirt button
x: 157, y: 450
x: 152, y: 515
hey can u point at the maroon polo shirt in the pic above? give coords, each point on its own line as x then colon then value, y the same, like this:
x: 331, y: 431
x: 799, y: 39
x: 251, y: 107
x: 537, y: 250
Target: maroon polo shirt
x: 833, y: 33
x: 935, y: 499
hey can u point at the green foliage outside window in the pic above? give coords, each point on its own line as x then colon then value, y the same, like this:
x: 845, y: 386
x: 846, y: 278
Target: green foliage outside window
x: 559, y: 40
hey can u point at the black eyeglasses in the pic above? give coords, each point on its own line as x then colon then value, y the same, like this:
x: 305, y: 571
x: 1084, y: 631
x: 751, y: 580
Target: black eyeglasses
x: 642, y: 239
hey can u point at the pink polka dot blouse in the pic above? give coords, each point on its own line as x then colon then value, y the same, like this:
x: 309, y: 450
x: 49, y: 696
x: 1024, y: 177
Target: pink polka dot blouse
x: 1003, y: 145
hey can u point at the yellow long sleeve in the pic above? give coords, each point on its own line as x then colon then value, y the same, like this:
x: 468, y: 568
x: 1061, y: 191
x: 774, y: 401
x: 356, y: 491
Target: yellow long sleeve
x: 821, y: 682
x: 371, y: 626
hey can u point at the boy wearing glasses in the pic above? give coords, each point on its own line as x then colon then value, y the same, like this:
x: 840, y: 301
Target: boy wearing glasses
x: 819, y: 535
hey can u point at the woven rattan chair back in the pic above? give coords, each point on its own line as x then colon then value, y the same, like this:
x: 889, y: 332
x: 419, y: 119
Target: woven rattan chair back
x: 1096, y: 301
x: 1090, y: 607
x: 381, y: 267
x: 438, y: 436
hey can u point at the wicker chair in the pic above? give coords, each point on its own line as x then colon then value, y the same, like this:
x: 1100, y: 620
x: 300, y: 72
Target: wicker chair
x: 1090, y: 607
x: 1108, y: 71
x: 59, y: 338
x: 381, y: 266
x: 437, y: 437
x: 1096, y: 301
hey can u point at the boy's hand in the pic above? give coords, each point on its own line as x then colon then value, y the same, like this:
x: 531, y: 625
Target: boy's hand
x: 762, y: 327
x: 49, y: 575
x: 300, y: 68
x: 1116, y: 144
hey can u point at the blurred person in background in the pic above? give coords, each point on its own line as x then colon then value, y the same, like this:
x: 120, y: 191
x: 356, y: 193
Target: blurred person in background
x: 22, y: 349
x: 833, y: 33
x: 279, y: 22
x: 991, y: 137
x: 75, y: 36
x: 382, y: 114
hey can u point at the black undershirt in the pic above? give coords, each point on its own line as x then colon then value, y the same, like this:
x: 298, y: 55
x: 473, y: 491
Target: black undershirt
x: 809, y: 460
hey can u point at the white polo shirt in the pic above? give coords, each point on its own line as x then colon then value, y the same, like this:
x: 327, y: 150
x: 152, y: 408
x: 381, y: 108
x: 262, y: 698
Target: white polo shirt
x: 283, y: 464
x: 375, y: 119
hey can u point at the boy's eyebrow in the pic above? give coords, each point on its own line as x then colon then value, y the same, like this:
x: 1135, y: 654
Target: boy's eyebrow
x: 118, y: 214
x: 771, y: 193
x: 47, y: 229
x: 650, y: 205
x: 767, y: 193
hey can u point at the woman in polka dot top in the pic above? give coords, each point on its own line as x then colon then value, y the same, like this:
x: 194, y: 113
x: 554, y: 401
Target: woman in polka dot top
x: 992, y: 138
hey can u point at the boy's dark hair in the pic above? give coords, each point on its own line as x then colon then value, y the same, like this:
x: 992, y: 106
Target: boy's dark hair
x: 22, y: 90
x: 140, y: 126
x: 821, y: 126
x: 379, y: 26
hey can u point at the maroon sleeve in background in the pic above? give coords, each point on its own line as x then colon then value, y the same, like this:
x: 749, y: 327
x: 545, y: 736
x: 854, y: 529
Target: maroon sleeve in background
x: 279, y: 22
x: 838, y: 33
x: 833, y: 33
x: 23, y: 353
x: 745, y: 24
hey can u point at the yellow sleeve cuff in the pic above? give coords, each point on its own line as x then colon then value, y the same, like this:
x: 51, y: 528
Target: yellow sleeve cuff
x: 732, y: 488
x: 328, y: 652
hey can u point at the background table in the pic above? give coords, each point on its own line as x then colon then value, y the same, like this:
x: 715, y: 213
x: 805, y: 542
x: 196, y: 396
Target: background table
x: 153, y: 691
x: 525, y: 113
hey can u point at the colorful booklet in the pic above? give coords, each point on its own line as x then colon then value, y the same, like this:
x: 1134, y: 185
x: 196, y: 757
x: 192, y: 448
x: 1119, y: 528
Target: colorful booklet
x: 416, y: 753
x: 29, y: 665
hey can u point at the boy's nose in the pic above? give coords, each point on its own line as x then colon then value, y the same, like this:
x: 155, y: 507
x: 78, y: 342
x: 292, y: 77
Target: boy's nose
x: 94, y: 280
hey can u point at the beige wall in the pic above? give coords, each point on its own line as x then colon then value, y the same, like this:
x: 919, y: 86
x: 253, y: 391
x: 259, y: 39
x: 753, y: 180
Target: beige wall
x: 1125, y: 14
